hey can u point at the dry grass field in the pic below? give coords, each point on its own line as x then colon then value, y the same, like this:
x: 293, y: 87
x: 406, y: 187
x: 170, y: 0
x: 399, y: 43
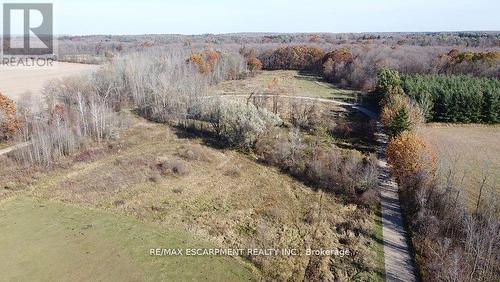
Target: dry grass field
x: 472, y: 151
x: 158, y: 175
x: 15, y: 81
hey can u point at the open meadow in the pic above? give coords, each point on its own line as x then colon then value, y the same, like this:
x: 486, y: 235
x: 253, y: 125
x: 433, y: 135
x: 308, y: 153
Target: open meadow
x: 348, y: 128
x: 286, y: 82
x: 469, y: 156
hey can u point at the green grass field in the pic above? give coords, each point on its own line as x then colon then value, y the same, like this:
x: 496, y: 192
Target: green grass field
x: 292, y: 83
x: 378, y: 247
x: 47, y: 241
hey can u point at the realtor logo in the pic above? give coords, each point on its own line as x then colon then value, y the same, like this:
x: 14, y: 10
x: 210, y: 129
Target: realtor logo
x: 28, y: 29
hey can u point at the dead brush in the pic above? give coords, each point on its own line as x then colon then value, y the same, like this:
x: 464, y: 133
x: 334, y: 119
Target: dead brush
x: 178, y: 190
x: 195, y: 153
x: 168, y: 166
x: 233, y: 171
x: 89, y: 155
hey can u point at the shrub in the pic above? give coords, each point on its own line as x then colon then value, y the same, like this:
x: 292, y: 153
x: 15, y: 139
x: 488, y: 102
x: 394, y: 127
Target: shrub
x: 178, y: 190
x: 194, y: 152
x: 341, y: 130
x: 340, y: 171
x: 356, y: 129
x: 304, y: 115
x: 233, y: 171
x: 370, y: 198
x: 166, y: 165
x: 239, y: 124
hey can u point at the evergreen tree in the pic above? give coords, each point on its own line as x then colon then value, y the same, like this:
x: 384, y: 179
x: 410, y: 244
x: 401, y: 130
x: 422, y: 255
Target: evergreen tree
x: 387, y: 79
x: 400, y: 123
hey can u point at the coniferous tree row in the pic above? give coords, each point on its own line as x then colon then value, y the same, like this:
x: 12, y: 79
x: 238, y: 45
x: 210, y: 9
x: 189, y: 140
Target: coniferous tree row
x: 455, y: 98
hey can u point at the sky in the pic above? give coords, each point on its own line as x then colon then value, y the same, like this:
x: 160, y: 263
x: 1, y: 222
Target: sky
x: 121, y: 17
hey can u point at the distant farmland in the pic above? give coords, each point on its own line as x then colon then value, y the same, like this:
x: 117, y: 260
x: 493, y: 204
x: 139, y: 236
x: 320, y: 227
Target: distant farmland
x: 15, y: 81
x: 472, y: 152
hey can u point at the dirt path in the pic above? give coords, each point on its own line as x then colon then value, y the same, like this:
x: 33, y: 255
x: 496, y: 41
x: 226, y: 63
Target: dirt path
x: 12, y: 148
x: 397, y: 256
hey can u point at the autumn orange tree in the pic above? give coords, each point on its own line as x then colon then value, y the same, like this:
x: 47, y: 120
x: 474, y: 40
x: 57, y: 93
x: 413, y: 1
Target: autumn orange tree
x: 339, y: 55
x: 338, y: 58
x: 250, y: 55
x: 204, y: 61
x: 409, y: 155
x: 9, y: 122
x: 254, y: 65
x: 211, y: 57
x: 199, y: 61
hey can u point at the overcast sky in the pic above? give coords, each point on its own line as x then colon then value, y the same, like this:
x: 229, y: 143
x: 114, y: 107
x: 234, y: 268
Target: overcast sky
x: 228, y: 16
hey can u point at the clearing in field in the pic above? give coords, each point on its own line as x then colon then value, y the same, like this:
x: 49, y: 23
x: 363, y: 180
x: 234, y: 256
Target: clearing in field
x: 286, y: 82
x: 471, y: 153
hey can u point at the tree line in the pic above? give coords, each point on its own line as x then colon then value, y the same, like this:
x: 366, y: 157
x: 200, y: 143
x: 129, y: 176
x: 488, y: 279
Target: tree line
x: 455, y: 98
x: 357, y: 66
